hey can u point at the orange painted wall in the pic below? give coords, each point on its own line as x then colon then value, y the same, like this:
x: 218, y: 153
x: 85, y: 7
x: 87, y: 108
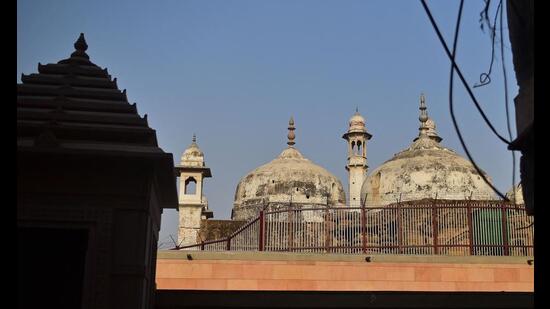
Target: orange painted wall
x: 341, y: 276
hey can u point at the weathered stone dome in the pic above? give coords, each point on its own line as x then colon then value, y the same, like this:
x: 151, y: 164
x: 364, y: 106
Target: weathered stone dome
x: 425, y: 170
x: 289, y: 178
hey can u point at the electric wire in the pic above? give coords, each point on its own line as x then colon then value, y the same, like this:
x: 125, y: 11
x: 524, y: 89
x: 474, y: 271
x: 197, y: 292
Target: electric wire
x: 459, y: 72
x: 453, y: 68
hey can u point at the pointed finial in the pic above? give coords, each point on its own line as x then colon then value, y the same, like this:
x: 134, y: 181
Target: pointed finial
x: 80, y: 47
x: 423, y: 115
x: 80, y: 44
x: 291, y: 136
x: 194, y: 138
x: 356, y: 109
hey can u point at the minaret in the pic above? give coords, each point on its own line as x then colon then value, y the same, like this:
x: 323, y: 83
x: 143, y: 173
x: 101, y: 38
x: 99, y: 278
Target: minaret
x: 357, y: 137
x: 193, y: 206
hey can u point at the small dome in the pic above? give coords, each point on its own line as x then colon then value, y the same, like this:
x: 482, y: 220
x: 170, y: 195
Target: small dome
x: 192, y: 156
x: 516, y: 192
x: 356, y: 123
x: 429, y: 125
x: 289, y: 178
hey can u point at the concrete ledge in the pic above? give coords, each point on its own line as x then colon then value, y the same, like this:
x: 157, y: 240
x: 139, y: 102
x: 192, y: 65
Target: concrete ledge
x: 330, y: 257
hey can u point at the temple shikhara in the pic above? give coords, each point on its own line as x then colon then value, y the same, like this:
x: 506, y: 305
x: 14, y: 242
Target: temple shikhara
x: 424, y: 226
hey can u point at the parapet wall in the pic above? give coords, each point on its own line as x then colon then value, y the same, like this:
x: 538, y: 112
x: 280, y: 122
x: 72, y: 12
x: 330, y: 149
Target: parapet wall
x: 262, y: 271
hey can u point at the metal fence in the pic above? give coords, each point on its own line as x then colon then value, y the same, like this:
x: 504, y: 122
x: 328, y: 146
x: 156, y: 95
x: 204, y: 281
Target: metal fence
x: 428, y: 227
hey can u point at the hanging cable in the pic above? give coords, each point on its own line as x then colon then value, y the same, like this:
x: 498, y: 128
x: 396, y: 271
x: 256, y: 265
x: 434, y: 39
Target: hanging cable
x: 485, y: 78
x: 453, y: 67
x: 436, y: 28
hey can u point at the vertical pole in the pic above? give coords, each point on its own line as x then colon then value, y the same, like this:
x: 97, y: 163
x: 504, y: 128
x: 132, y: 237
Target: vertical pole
x: 435, y: 227
x: 470, y: 228
x: 202, y: 245
x: 505, y: 229
x: 228, y: 244
x: 290, y: 228
x: 399, y: 228
x: 261, y: 234
x: 363, y: 228
x: 326, y: 237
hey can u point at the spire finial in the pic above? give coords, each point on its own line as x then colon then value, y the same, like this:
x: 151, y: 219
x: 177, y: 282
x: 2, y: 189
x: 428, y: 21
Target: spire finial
x: 80, y: 47
x: 291, y: 136
x: 427, y: 125
x: 80, y: 44
x: 357, y: 109
x: 423, y: 115
x: 194, y: 138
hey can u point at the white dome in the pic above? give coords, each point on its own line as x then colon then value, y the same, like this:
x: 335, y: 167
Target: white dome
x: 288, y: 179
x: 424, y: 170
x: 356, y: 123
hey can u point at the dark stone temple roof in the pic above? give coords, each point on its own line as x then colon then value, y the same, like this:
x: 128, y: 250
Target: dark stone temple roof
x: 74, y: 106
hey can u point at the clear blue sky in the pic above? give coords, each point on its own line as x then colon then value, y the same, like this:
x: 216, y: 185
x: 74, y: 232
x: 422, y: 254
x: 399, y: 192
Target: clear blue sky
x: 234, y: 72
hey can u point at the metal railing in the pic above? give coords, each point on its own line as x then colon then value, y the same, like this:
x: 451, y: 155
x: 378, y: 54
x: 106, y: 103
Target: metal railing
x: 427, y: 227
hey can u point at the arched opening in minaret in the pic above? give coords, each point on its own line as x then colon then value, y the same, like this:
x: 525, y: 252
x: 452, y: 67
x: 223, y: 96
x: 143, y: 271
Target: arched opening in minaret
x: 359, y: 149
x: 190, y: 186
x: 353, y: 147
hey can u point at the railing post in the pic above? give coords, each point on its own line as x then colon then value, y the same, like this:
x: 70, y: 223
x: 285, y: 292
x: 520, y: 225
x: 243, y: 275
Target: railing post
x: 261, y: 232
x: 290, y: 229
x: 435, y: 227
x: 228, y: 245
x: 505, y: 229
x: 364, y: 228
x: 202, y: 245
x: 470, y: 228
x: 327, y: 233
x: 399, y: 228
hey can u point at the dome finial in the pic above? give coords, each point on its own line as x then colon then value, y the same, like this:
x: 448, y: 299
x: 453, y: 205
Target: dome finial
x: 357, y: 109
x: 194, y: 138
x: 427, y: 125
x: 291, y: 136
x: 423, y: 115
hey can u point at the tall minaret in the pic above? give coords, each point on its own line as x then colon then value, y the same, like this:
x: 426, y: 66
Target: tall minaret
x: 357, y: 137
x: 193, y: 206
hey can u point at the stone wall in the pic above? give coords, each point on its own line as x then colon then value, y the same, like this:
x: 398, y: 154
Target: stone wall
x: 218, y: 229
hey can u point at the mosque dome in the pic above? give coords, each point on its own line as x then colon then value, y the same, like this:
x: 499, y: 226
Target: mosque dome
x: 425, y: 169
x: 192, y: 156
x: 289, y: 178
